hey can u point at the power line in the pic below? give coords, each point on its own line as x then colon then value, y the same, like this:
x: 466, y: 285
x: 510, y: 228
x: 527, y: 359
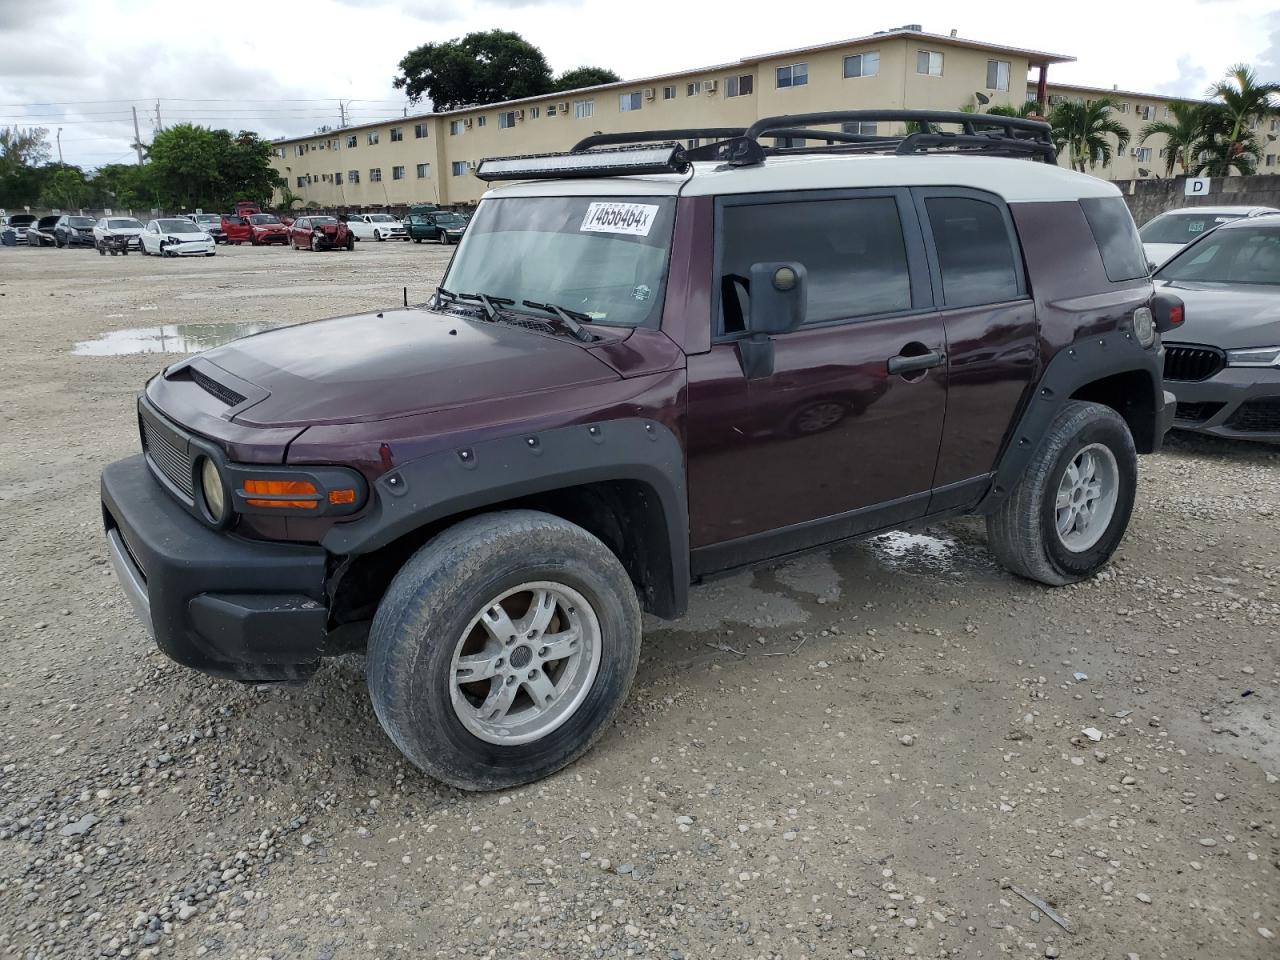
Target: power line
x: 130, y: 100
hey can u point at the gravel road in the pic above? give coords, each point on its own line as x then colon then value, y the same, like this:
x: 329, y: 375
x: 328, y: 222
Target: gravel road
x: 871, y: 752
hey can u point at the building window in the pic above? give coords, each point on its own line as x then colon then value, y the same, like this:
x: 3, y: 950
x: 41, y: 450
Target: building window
x: 455, y: 127
x: 353, y: 176
x: 789, y: 141
x: 1123, y: 107
x: 480, y: 120
x: 297, y: 149
x: 397, y: 134
x: 693, y: 143
x: 584, y: 109
x: 795, y: 75
x: 506, y: 120
x: 535, y: 112
x: 1146, y: 112
x: 375, y: 174
x: 1142, y: 154
x: 459, y: 168
x: 861, y: 65
x: 997, y: 74
x: 419, y: 131
x: 352, y: 143
x: 668, y: 93
x: 1271, y: 159
x: 333, y: 144
x: 929, y: 63
x: 691, y: 89
x: 302, y: 181
x: 630, y: 101
x: 337, y: 178
x: 864, y: 128
x: 739, y: 86
x: 424, y: 171
x: 551, y: 110
x: 397, y: 173
x: 372, y: 137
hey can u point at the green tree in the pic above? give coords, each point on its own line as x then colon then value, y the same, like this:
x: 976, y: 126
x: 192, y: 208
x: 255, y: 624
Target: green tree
x: 22, y: 148
x: 195, y: 167
x: 1227, y: 142
x: 244, y: 162
x: 1084, y: 129
x: 67, y: 189
x: 288, y: 199
x: 483, y: 67
x: 1244, y: 100
x: 121, y: 186
x: 581, y: 77
x: 1026, y: 109
x: 1182, y: 133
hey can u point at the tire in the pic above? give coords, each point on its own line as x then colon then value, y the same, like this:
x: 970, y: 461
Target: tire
x: 102, y: 251
x: 142, y: 248
x: 417, y: 239
x: 432, y: 612
x: 351, y: 243
x: 444, y: 238
x: 1023, y: 532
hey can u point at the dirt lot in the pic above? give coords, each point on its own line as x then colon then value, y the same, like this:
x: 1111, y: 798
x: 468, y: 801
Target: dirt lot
x: 863, y: 753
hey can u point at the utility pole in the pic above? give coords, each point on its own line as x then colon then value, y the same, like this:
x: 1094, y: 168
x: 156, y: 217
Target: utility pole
x: 137, y: 136
x: 59, y: 138
x: 342, y: 114
x: 159, y: 124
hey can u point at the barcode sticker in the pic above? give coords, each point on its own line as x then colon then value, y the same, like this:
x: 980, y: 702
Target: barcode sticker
x: 635, y: 219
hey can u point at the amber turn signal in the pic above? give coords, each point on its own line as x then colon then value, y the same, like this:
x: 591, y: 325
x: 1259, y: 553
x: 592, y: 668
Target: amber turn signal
x: 282, y: 489
x: 342, y: 496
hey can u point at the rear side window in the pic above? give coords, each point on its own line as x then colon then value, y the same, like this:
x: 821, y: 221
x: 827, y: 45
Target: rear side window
x: 975, y: 253
x: 1117, y: 238
x: 852, y: 249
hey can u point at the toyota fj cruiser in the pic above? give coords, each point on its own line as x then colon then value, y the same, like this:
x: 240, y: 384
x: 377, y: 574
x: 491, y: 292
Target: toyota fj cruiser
x: 646, y: 365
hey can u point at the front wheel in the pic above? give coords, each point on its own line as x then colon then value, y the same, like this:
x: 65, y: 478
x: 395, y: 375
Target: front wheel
x: 102, y: 250
x: 351, y: 243
x: 1069, y: 511
x: 512, y: 670
x: 377, y: 235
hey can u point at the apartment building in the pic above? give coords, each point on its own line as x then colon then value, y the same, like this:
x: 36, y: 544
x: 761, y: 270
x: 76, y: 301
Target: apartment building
x: 431, y: 157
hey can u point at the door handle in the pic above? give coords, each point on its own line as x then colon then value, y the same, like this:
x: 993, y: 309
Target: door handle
x: 921, y: 361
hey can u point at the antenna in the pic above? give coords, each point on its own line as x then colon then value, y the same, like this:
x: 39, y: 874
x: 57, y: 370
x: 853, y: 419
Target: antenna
x: 406, y: 296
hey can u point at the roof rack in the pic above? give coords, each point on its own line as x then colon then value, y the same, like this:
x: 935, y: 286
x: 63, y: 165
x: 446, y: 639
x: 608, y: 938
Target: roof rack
x: 620, y: 154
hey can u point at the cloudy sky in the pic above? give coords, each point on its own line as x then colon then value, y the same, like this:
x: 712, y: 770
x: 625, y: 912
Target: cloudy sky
x: 281, y: 66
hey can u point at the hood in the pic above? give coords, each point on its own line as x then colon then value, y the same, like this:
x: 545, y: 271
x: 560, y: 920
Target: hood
x: 1158, y: 253
x: 123, y: 231
x: 401, y: 362
x: 268, y: 226
x: 1227, y: 316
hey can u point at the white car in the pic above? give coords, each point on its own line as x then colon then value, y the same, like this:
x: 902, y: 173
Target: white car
x: 1168, y: 233
x: 376, y: 226
x: 176, y: 237
x: 117, y: 227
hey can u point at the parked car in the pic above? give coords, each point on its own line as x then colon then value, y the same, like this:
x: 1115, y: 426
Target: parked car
x: 256, y: 227
x: 210, y: 223
x: 176, y: 237
x: 109, y: 229
x: 1224, y: 367
x: 40, y: 233
x: 1165, y: 235
x: 320, y: 233
x: 376, y: 226
x: 485, y: 492
x: 20, y: 222
x: 441, y: 226
x: 73, y: 231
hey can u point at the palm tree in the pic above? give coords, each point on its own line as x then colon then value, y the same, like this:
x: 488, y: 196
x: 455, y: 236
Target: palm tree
x: 1182, y: 134
x: 1227, y: 142
x: 1245, y: 100
x: 288, y: 198
x: 1029, y: 108
x: 1083, y: 130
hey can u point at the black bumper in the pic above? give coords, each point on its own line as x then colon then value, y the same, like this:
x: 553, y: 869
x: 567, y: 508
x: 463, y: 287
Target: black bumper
x: 242, y: 609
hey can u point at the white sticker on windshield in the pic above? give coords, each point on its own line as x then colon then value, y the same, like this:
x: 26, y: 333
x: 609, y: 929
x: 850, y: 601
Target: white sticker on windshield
x: 635, y: 219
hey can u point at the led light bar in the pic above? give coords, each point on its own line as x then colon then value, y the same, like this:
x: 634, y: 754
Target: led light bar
x: 629, y: 161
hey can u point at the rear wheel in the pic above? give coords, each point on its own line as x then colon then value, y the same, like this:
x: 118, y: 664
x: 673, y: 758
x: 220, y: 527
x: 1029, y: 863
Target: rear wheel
x: 503, y: 649
x: 102, y: 250
x: 1069, y: 511
x: 444, y: 238
x: 351, y: 243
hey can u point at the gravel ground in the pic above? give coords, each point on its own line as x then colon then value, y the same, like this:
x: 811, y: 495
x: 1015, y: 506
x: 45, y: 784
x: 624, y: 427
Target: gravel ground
x: 871, y: 752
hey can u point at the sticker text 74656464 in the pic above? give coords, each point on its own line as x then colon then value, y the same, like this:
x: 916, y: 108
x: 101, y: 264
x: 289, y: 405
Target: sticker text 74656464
x: 635, y: 219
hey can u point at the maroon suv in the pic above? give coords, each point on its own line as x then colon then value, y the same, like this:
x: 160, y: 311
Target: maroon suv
x: 644, y: 366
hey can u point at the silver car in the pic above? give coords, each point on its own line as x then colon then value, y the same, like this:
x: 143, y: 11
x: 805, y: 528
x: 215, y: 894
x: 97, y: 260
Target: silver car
x: 1168, y: 233
x: 1223, y: 363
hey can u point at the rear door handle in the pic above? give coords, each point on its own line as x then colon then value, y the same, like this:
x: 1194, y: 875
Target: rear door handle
x: 922, y: 361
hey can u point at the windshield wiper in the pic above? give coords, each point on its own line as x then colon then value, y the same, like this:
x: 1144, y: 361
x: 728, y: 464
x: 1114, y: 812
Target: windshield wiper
x: 569, y: 318
x: 485, y: 300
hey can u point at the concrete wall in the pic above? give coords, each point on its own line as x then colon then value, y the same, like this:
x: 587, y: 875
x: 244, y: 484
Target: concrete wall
x: 1149, y: 198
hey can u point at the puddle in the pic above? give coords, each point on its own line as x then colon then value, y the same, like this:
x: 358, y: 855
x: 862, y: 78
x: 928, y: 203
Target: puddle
x: 900, y: 549
x: 168, y: 338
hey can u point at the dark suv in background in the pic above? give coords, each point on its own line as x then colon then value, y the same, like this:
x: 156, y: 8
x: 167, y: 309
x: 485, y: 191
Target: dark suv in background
x: 658, y: 366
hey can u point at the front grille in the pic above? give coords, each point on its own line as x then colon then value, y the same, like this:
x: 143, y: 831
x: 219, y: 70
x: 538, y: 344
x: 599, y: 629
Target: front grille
x: 1257, y: 416
x: 1196, y: 412
x: 1191, y: 364
x: 172, y: 460
x: 223, y: 393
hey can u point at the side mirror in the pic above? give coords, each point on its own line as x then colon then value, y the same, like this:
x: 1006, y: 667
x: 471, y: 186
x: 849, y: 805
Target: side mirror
x: 778, y: 292
x: 1168, y: 311
x: 777, y: 297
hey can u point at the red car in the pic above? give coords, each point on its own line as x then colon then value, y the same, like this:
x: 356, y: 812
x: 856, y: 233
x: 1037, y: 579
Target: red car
x: 320, y: 233
x: 257, y: 228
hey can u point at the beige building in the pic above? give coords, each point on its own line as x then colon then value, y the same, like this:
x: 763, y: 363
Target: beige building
x: 431, y: 157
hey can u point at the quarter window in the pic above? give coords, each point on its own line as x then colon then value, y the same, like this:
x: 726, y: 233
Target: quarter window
x: 795, y: 75
x: 1117, y: 238
x: 975, y: 255
x: 929, y: 63
x: 628, y: 102
x: 852, y: 250
x: 861, y: 65
x: 997, y: 74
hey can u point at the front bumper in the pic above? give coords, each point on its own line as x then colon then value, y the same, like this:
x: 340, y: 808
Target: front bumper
x: 190, y: 248
x: 80, y: 240
x: 1239, y: 403
x: 262, y: 239
x: 242, y: 609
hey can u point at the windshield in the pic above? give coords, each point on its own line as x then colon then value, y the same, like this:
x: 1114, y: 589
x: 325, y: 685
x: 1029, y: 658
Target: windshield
x: 602, y: 256
x: 1238, y: 255
x: 80, y: 221
x: 178, y: 226
x: 450, y: 220
x: 381, y: 218
x: 123, y: 225
x: 317, y: 221
x: 206, y: 218
x: 260, y: 218
x: 1182, y: 227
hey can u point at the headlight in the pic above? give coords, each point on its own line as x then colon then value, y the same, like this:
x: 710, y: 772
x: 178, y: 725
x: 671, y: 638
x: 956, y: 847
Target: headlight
x: 1144, y: 326
x: 175, y: 239
x: 1254, y: 357
x: 215, y: 497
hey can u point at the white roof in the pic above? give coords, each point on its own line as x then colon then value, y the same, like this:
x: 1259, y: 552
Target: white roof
x: 1214, y: 211
x: 1017, y: 181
